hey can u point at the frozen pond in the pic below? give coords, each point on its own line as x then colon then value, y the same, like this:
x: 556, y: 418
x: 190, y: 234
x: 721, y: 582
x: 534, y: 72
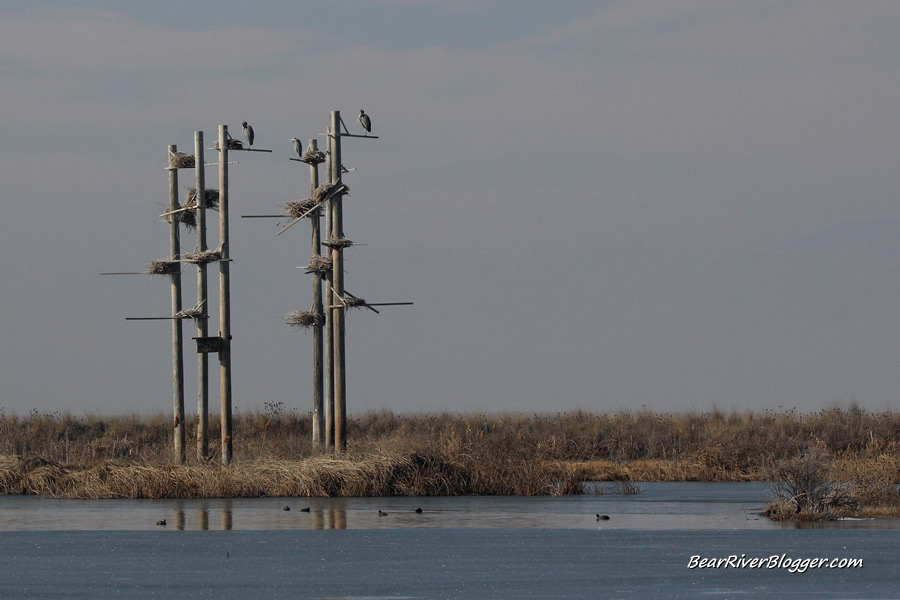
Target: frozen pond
x: 468, y: 547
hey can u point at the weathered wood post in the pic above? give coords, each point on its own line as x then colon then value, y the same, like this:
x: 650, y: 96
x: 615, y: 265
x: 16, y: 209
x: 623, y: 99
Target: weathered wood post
x: 318, y: 423
x: 224, y: 300
x: 177, y: 348
x: 337, y: 282
x: 328, y: 352
x: 202, y: 304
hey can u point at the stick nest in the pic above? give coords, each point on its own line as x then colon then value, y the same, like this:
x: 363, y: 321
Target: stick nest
x: 338, y: 243
x: 318, y: 264
x: 202, y: 258
x: 210, y: 199
x: 189, y: 313
x: 305, y: 319
x: 181, y: 160
x: 188, y: 218
x: 232, y: 145
x: 163, y: 267
x: 353, y: 302
x: 328, y: 190
x: 298, y: 208
x: 313, y: 157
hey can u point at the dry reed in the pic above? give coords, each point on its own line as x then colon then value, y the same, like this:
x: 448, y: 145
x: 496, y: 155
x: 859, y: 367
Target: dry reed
x: 446, y: 453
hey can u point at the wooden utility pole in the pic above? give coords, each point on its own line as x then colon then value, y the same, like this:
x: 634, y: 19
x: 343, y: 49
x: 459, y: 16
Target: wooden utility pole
x: 177, y: 350
x: 337, y: 283
x: 328, y: 351
x: 202, y: 304
x: 224, y: 300
x: 318, y: 422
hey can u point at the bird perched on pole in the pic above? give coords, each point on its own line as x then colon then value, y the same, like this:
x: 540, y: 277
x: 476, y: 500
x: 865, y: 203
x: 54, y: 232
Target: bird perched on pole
x: 298, y: 147
x: 248, y: 133
x: 365, y: 121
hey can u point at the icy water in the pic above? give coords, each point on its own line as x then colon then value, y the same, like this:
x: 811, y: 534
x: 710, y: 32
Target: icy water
x: 469, y: 547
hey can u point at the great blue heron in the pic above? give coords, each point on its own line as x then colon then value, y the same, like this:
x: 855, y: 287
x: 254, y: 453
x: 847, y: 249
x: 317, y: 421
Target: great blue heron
x: 365, y: 121
x: 298, y: 147
x: 248, y: 133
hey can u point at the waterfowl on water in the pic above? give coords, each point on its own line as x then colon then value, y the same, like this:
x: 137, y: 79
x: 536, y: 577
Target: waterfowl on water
x: 381, y: 513
x: 163, y: 522
x: 603, y: 517
x: 286, y: 508
x: 418, y: 511
x: 304, y: 509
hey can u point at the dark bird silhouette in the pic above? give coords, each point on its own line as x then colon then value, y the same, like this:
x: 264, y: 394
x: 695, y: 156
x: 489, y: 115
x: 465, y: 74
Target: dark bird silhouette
x: 381, y: 513
x: 418, y: 511
x: 603, y: 517
x: 248, y: 133
x: 162, y: 523
x: 304, y: 509
x: 286, y: 508
x: 365, y: 121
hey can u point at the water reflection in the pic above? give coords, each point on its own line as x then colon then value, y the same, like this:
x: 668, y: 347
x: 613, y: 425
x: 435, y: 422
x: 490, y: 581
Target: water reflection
x: 245, y: 513
x: 677, y: 506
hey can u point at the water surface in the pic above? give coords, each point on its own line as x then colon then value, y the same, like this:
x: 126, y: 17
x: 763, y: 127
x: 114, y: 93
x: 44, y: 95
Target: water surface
x: 459, y: 547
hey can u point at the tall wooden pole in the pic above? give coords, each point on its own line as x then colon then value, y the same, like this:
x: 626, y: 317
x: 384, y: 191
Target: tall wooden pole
x: 177, y: 349
x: 224, y: 300
x: 337, y: 282
x: 202, y: 302
x: 318, y: 422
x: 328, y: 352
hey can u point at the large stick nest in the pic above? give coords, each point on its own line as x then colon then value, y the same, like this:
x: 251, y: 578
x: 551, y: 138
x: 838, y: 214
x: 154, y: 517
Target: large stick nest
x: 305, y: 319
x: 188, y: 218
x: 318, y: 264
x: 338, y: 243
x: 202, y: 258
x: 163, y: 267
x: 313, y: 157
x: 210, y: 199
x: 328, y: 190
x: 299, y: 208
x: 181, y: 160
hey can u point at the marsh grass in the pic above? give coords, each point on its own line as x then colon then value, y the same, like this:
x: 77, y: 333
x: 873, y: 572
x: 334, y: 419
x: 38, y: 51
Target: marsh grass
x: 446, y: 454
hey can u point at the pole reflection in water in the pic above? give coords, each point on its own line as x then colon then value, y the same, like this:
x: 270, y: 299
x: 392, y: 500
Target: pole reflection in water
x: 335, y: 515
x: 203, y: 520
x: 226, y: 514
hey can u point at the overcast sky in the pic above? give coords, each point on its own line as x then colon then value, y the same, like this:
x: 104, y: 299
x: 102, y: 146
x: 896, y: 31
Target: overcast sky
x: 600, y: 205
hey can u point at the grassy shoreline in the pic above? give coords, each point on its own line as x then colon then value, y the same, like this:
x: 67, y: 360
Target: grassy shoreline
x: 855, y: 452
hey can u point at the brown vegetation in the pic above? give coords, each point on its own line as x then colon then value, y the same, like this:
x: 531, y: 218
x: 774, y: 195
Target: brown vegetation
x: 855, y: 453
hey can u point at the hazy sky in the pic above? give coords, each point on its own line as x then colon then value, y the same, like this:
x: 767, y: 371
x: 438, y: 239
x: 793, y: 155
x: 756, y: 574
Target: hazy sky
x: 595, y: 205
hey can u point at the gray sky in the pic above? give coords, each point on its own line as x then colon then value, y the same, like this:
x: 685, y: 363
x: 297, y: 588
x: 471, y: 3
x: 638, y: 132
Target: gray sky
x: 595, y: 205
